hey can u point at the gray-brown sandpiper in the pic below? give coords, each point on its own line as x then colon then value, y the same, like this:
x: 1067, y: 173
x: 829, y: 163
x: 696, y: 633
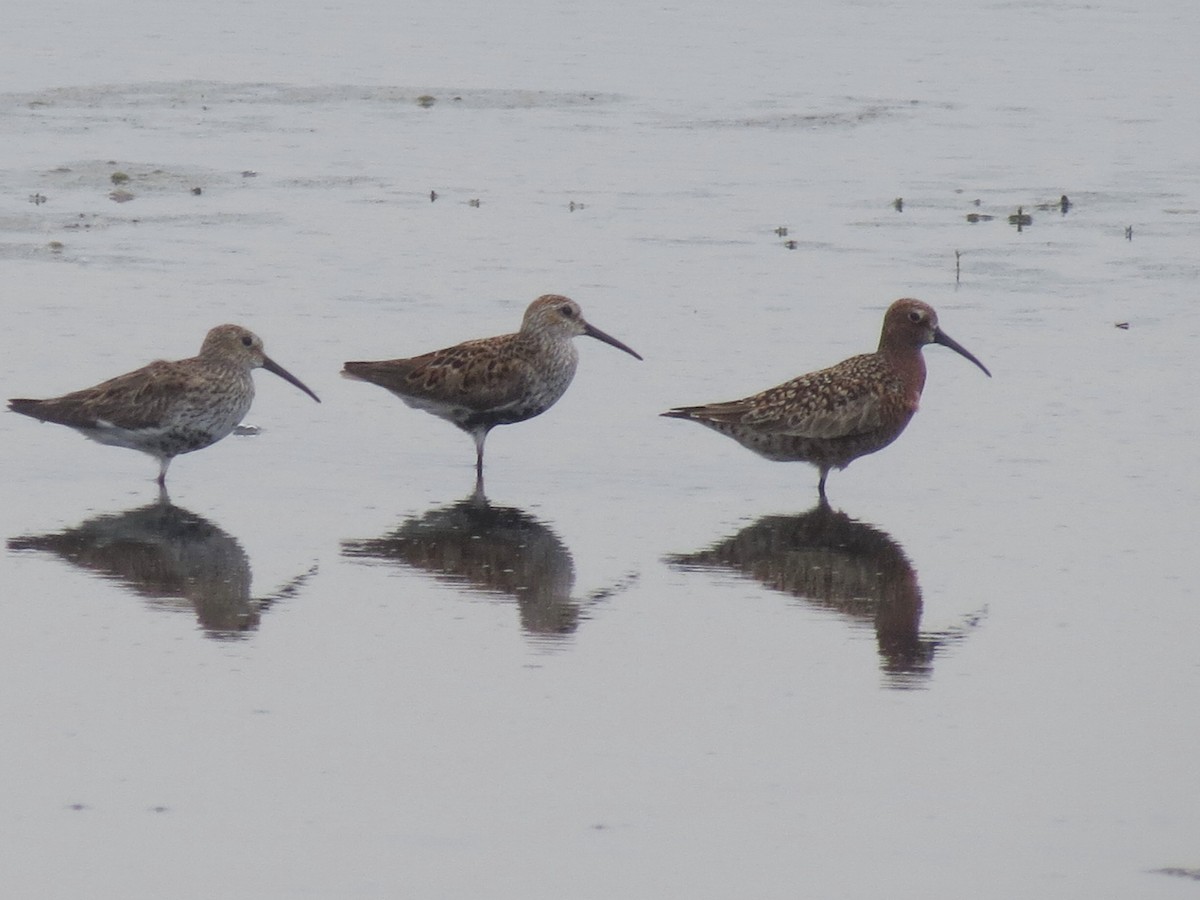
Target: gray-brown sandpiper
x: 168, y: 407
x: 479, y: 384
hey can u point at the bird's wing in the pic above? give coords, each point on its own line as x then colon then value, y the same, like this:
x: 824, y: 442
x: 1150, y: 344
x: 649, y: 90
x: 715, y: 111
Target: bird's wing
x: 840, y: 401
x: 138, y: 399
x: 481, y: 376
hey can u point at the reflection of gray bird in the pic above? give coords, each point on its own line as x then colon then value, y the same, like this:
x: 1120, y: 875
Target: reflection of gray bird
x: 829, y: 559
x: 167, y: 554
x: 492, y: 549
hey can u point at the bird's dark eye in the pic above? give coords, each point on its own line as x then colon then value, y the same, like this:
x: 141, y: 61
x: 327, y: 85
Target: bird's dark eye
x: 915, y: 316
x: 247, y: 340
x: 566, y: 311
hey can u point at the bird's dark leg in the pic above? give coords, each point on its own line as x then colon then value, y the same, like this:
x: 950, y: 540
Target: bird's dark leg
x: 821, y: 487
x: 162, y: 472
x: 480, y: 436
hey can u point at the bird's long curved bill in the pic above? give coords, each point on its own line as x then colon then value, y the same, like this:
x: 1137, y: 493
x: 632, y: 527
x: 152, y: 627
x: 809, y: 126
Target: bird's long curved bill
x: 940, y: 337
x: 271, y: 366
x: 592, y: 331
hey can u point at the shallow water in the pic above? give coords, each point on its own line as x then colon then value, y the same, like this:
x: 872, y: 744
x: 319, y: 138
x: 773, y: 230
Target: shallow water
x: 651, y: 667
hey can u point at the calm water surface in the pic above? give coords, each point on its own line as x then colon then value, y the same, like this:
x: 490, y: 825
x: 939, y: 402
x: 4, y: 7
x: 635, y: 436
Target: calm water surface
x: 649, y: 665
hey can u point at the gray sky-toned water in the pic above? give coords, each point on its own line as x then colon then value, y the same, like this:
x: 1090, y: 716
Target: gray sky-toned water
x: 650, y: 669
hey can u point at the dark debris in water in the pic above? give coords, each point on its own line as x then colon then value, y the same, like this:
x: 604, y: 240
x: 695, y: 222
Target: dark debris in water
x: 1178, y: 872
x: 225, y: 96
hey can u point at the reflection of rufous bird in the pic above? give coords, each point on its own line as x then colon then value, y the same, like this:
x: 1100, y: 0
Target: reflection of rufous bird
x: 168, y: 408
x: 832, y: 417
x: 831, y: 560
x: 483, y: 383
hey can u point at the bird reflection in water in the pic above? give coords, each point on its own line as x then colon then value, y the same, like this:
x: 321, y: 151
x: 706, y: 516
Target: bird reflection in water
x: 837, y: 563
x: 174, y: 558
x: 492, y: 549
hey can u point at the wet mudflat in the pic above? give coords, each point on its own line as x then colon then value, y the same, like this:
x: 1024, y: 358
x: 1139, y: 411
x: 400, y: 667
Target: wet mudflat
x: 649, y: 665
